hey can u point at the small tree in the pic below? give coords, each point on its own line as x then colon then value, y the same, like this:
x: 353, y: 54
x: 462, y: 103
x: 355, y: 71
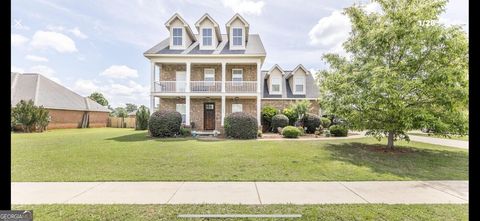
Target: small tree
x: 130, y: 107
x: 291, y: 114
x: 404, y: 72
x: 141, y: 118
x: 301, y: 108
x: 121, y: 112
x: 42, y: 118
x: 99, y: 98
x: 267, y: 114
x: 24, y: 113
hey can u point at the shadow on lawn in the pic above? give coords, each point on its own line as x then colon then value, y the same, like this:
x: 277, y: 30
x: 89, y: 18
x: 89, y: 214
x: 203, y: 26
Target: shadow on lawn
x: 144, y: 137
x: 406, y: 162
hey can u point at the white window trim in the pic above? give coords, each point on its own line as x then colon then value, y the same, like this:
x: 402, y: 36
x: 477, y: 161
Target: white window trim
x: 237, y: 47
x: 207, y: 47
x: 209, y: 83
x: 235, y: 83
x: 183, y: 39
x: 294, y: 91
x: 271, y: 83
x: 241, y: 108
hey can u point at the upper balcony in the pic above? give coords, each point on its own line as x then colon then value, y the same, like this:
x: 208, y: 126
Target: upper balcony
x: 205, y: 87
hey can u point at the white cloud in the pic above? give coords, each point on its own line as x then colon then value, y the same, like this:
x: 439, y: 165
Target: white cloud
x: 54, y: 40
x: 45, y: 71
x: 330, y: 31
x: 36, y: 58
x: 18, y: 40
x: 55, y: 28
x: 76, y: 31
x: 245, y: 6
x: 119, y: 71
x: 85, y: 87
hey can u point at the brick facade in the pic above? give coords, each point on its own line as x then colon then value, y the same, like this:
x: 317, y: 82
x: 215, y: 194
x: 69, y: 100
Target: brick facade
x: 73, y: 119
x: 281, y: 104
x: 249, y: 71
x: 168, y: 71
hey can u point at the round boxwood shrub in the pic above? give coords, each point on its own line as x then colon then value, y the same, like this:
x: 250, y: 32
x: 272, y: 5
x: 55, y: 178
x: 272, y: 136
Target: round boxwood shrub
x: 325, y: 122
x: 290, y: 132
x: 311, y: 122
x: 338, y: 131
x: 279, y: 120
x: 241, y: 125
x: 164, y: 123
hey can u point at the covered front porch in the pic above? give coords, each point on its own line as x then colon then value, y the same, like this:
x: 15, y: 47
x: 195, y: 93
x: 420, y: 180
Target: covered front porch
x: 207, y: 113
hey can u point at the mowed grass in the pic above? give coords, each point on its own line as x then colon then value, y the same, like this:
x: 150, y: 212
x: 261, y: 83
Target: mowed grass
x: 113, y: 154
x: 453, y: 137
x: 308, y: 212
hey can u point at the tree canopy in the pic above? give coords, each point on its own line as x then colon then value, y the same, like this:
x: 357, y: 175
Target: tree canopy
x: 403, y: 71
x: 130, y: 107
x: 99, y: 98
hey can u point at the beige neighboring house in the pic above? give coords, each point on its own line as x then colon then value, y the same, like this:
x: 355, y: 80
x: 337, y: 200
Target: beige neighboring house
x: 66, y: 108
x: 208, y: 75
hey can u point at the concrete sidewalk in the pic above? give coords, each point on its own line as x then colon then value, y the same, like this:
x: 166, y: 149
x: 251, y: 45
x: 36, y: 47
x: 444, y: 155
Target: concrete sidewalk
x: 389, y: 192
x: 440, y: 141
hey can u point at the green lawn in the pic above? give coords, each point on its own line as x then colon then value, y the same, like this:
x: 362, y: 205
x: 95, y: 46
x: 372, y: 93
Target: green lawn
x: 114, y: 154
x: 453, y: 137
x: 308, y: 212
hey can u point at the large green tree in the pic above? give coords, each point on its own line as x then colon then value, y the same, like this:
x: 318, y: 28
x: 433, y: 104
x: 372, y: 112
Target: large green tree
x: 130, y: 107
x: 403, y: 71
x: 99, y: 98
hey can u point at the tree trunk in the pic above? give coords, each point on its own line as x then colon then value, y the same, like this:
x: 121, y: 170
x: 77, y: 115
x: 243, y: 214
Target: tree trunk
x: 390, y: 140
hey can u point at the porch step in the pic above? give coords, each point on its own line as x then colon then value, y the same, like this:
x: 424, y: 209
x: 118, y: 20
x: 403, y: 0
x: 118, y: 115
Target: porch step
x: 205, y: 133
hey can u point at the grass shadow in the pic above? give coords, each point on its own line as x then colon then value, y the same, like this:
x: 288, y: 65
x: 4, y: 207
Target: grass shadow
x: 138, y: 137
x: 408, y: 162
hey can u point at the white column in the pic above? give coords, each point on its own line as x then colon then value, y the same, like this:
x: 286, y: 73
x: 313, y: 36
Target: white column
x: 224, y: 70
x: 259, y: 81
x: 188, y: 70
x: 152, y: 87
x: 152, y: 104
x: 223, y: 110
x: 259, y: 110
x: 187, y: 111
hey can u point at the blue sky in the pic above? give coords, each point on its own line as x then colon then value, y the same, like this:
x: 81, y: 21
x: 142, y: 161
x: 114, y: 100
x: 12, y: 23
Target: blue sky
x: 98, y: 45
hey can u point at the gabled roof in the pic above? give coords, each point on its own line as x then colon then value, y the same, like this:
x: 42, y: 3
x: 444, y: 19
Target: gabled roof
x: 273, y: 68
x: 300, y: 66
x: 215, y: 25
x: 185, y: 24
x: 49, y: 94
x: 311, y: 88
x: 237, y: 16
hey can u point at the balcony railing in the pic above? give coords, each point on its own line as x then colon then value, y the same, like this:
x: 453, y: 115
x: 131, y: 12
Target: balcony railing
x: 241, y: 86
x: 205, y: 86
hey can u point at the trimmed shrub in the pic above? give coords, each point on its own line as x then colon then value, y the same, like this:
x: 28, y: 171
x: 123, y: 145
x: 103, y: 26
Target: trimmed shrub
x: 311, y: 122
x: 290, y: 132
x: 267, y: 113
x: 279, y: 120
x: 240, y: 125
x: 165, y: 123
x: 338, y: 131
x: 259, y: 133
x: 141, y: 118
x: 291, y: 115
x: 185, y: 131
x: 325, y: 122
x: 30, y: 117
x: 302, y: 131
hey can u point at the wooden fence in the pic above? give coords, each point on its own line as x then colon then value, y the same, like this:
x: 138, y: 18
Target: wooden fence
x: 118, y: 122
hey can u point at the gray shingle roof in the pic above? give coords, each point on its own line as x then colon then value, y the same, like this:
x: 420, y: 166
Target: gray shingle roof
x: 254, y: 46
x: 49, y: 94
x: 311, y: 88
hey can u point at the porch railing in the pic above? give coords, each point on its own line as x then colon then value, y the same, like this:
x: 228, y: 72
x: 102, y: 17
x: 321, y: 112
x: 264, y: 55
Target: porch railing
x: 241, y: 86
x: 205, y: 86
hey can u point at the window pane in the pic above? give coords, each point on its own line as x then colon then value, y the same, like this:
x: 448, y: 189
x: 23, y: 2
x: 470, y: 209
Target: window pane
x: 275, y: 88
x: 237, y: 32
x: 207, y: 36
x: 237, y: 108
x: 299, y: 87
x: 177, y: 36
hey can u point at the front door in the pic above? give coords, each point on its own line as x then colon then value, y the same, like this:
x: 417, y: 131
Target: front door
x: 209, y: 116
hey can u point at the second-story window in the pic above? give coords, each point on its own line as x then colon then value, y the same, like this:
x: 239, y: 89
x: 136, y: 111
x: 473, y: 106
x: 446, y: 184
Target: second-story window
x: 177, y: 36
x: 209, y: 77
x: 237, y: 77
x: 207, y: 36
x: 237, y: 36
x: 276, y: 84
x: 299, y: 84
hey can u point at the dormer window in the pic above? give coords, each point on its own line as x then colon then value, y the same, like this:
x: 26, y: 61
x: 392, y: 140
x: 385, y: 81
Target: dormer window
x: 299, y: 85
x: 237, y: 36
x: 276, y: 85
x: 207, y: 34
x: 177, y: 36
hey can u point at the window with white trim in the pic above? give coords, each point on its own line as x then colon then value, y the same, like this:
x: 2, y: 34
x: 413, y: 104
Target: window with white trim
x: 237, y: 108
x: 237, y: 36
x: 276, y: 85
x: 207, y: 35
x: 209, y: 76
x: 299, y: 83
x: 177, y: 36
x: 182, y: 109
x: 237, y: 76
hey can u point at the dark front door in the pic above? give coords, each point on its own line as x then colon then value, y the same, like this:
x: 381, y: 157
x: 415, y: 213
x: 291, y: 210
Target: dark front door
x: 209, y: 116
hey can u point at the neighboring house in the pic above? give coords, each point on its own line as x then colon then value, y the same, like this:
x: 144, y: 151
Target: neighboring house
x: 132, y: 114
x: 208, y: 75
x: 66, y: 108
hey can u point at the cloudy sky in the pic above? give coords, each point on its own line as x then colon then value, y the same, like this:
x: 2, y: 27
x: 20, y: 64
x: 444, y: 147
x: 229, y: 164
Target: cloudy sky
x: 98, y: 45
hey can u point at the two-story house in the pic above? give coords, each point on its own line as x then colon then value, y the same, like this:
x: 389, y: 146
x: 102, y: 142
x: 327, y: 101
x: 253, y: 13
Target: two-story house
x: 208, y: 75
